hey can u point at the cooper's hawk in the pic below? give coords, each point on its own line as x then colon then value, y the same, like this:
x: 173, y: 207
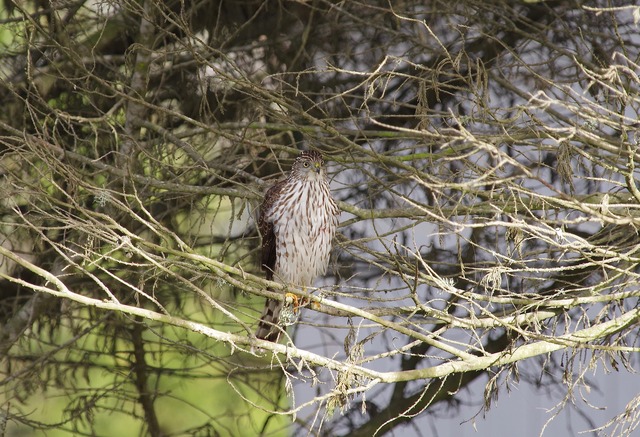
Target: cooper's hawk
x: 298, y: 220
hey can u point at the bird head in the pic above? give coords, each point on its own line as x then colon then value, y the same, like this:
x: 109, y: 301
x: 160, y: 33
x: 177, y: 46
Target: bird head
x: 309, y: 165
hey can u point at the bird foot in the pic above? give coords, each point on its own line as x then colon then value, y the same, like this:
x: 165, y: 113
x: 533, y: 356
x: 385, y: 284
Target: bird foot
x: 290, y: 310
x: 292, y: 299
x: 296, y: 302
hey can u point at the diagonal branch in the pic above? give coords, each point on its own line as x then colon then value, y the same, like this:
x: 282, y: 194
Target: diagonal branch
x: 577, y: 339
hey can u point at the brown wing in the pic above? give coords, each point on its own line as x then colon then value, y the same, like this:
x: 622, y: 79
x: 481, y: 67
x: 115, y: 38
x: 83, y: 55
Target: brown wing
x: 266, y: 229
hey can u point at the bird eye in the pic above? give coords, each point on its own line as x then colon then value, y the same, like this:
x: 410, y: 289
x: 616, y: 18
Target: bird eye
x: 305, y: 164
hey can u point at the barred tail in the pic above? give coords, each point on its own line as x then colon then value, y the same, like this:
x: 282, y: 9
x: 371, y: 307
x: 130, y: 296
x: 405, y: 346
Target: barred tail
x: 268, y: 328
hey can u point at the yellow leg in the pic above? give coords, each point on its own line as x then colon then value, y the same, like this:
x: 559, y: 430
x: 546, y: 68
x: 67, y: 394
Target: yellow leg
x: 291, y: 298
x: 297, y: 302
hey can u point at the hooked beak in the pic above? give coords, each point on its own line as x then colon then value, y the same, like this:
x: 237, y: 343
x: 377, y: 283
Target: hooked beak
x: 317, y: 167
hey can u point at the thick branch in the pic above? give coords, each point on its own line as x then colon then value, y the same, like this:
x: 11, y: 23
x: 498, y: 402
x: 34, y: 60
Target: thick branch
x: 578, y: 339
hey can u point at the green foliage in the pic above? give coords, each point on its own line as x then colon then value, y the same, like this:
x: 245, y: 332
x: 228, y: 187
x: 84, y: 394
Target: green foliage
x: 82, y: 381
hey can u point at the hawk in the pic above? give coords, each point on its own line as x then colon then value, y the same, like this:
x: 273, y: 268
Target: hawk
x: 297, y: 222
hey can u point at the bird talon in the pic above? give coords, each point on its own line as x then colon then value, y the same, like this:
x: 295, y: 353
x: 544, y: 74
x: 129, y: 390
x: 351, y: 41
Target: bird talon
x: 292, y: 299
